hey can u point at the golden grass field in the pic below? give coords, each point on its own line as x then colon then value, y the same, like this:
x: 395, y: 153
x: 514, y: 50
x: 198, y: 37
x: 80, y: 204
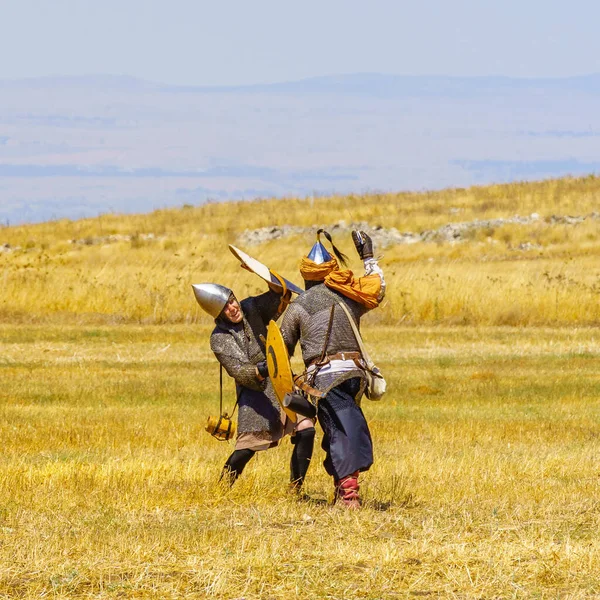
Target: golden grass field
x: 487, y: 280
x: 486, y: 482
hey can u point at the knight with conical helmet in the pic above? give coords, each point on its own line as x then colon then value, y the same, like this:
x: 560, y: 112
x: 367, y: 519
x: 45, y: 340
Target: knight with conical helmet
x: 237, y: 341
x: 332, y: 354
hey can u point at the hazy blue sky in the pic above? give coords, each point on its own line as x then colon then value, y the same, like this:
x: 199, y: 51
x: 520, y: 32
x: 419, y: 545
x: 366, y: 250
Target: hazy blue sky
x: 197, y: 42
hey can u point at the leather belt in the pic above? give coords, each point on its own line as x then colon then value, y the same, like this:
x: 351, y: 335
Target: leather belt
x: 302, y: 381
x: 355, y: 356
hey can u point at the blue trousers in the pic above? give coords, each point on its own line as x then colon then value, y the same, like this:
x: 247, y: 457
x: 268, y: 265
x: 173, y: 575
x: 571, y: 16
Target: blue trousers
x: 347, y: 439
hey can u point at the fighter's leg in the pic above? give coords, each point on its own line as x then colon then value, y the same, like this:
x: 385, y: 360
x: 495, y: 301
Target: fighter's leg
x: 346, y: 440
x: 235, y: 464
x: 346, y: 436
x: 303, y: 441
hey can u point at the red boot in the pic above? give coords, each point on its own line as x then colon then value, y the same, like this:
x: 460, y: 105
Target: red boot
x: 346, y: 490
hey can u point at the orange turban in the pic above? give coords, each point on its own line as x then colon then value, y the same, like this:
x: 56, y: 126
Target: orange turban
x: 311, y: 271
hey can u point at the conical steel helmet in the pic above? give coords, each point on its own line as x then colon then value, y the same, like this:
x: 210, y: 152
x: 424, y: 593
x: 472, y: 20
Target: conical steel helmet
x: 318, y: 253
x: 212, y: 297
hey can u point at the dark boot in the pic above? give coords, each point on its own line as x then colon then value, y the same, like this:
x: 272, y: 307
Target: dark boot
x: 346, y: 490
x: 235, y: 465
x: 303, y: 448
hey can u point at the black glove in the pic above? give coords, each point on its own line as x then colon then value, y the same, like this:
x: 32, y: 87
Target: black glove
x: 262, y: 369
x: 363, y: 243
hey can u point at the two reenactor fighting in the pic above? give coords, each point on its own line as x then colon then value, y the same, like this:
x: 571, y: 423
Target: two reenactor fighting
x: 335, y: 374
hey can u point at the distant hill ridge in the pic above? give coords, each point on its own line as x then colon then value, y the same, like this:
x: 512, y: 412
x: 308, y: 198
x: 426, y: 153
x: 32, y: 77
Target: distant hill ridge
x: 354, y: 83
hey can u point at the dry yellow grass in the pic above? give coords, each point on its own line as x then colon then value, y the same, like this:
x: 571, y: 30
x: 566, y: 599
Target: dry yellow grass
x: 485, y: 485
x: 537, y: 274
x: 486, y: 481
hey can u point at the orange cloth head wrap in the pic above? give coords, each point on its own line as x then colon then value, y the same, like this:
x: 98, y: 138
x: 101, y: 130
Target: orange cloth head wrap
x: 311, y: 271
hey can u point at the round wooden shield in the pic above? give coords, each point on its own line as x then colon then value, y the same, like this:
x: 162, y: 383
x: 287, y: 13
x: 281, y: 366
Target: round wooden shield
x: 280, y: 369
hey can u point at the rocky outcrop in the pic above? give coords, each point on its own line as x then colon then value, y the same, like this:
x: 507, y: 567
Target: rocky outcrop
x: 382, y: 236
x: 94, y: 241
x: 120, y: 237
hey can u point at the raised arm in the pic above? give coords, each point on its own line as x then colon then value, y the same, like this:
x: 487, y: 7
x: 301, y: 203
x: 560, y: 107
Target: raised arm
x: 364, y: 247
x: 267, y: 305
